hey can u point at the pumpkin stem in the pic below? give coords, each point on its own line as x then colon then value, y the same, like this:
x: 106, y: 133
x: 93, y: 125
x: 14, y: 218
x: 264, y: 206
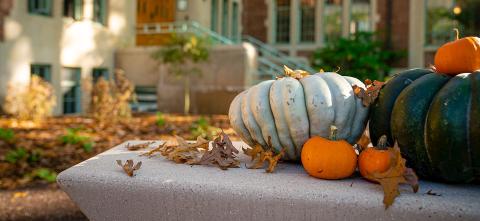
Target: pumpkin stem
x: 457, y: 33
x: 333, y: 132
x: 382, y: 143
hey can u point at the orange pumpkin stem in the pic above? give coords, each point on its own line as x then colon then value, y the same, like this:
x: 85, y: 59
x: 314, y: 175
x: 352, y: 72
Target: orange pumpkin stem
x: 333, y: 132
x: 457, y: 33
x: 382, y: 143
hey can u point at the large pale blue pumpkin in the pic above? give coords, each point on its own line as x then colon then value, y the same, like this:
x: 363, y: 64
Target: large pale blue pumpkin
x: 289, y: 111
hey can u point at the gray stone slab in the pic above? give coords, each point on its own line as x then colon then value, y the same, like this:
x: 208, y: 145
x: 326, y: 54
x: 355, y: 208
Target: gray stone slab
x: 163, y: 190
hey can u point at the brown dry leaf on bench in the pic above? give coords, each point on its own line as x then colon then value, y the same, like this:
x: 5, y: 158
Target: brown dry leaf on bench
x: 223, y: 154
x: 259, y: 156
x: 128, y: 167
x: 139, y: 146
x: 183, y: 152
x: 370, y: 95
x: 397, y: 174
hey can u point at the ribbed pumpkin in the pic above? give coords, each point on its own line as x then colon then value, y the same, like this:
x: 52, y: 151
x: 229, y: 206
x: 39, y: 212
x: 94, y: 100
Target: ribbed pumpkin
x: 290, y: 110
x: 436, y: 121
x: 459, y: 56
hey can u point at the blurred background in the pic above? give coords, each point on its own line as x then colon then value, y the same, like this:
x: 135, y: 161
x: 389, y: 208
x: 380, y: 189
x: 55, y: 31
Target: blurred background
x: 80, y: 76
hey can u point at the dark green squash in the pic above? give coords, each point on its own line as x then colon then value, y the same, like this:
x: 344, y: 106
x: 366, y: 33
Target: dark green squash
x: 436, y: 120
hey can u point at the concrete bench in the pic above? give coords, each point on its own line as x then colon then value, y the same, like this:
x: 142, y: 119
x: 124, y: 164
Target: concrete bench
x: 163, y: 190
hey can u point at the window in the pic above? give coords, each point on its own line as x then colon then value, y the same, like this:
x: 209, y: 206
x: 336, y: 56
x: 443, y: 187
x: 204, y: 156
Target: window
x: 225, y: 18
x: 71, y: 90
x: 100, y: 11
x: 234, y: 24
x: 73, y: 9
x: 332, y: 20
x: 42, y: 70
x: 214, y: 14
x: 360, y: 16
x: 98, y: 73
x: 307, y: 21
x: 282, y: 28
x: 40, y: 7
x: 442, y: 16
x: 182, y: 5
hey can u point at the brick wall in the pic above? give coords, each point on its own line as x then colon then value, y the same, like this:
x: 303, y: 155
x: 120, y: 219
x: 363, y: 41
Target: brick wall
x: 254, y: 16
x: 399, y: 26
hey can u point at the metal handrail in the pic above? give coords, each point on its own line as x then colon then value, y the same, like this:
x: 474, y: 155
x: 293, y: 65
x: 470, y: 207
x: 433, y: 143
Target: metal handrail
x: 270, y: 51
x: 181, y: 27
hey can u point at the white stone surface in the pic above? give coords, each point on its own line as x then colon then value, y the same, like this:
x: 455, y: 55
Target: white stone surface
x: 163, y: 190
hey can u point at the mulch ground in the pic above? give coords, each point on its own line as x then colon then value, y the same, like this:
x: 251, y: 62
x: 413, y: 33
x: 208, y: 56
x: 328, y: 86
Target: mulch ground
x: 59, y: 143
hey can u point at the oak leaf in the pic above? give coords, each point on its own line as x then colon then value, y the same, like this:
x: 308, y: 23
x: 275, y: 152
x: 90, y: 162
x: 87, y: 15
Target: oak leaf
x: 222, y: 154
x: 397, y: 174
x: 129, y: 166
x: 259, y: 156
x: 183, y: 152
x: 369, y: 95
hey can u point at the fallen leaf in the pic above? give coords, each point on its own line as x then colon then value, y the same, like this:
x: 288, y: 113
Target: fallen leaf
x: 397, y: 174
x: 154, y: 150
x: 129, y: 167
x: 259, y: 156
x: 222, y: 154
x: 370, y: 95
x: 139, y: 146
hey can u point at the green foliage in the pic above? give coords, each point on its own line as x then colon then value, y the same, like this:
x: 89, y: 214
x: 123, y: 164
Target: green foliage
x: 45, y: 174
x: 7, y: 134
x: 202, y: 127
x: 14, y: 156
x: 360, y: 56
x: 183, y: 49
x: 19, y: 154
x: 73, y: 137
x: 160, y: 121
x: 180, y: 54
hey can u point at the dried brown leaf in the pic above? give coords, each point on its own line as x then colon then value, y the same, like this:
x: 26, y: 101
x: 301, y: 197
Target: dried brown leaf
x: 222, y: 154
x: 369, y: 95
x: 138, y: 146
x: 397, y: 174
x: 259, y: 156
x: 129, y: 166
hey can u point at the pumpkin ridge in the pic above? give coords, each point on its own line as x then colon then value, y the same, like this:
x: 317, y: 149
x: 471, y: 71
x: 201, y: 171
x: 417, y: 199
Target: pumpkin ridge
x: 474, y: 122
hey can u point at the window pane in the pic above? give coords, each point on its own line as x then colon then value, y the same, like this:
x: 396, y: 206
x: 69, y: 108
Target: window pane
x: 307, y: 26
x: 360, y: 17
x: 234, y: 24
x: 333, y: 20
x: 100, y: 11
x: 73, y: 9
x: 439, y: 22
x: 98, y: 73
x: 225, y: 18
x: 214, y: 14
x: 283, y: 21
x: 41, y: 70
x: 40, y: 7
x: 71, y: 90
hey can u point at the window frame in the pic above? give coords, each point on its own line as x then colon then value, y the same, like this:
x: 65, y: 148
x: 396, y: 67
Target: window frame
x: 77, y: 90
x: 45, y: 10
x: 44, y: 71
x: 76, y: 15
x: 102, y: 16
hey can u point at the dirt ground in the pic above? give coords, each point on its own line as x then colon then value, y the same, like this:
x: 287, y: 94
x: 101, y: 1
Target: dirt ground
x: 60, y: 143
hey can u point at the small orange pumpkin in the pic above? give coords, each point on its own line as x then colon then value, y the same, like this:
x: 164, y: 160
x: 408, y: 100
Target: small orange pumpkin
x: 459, y: 56
x: 328, y: 159
x: 375, y: 159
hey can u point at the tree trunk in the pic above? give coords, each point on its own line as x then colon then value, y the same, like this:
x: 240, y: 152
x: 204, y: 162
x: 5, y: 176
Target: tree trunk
x: 186, y: 95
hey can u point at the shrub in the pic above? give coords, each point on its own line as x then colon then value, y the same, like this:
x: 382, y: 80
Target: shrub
x: 160, y: 121
x: 35, y: 102
x: 202, y: 127
x: 110, y: 100
x: 45, y: 174
x: 360, y: 56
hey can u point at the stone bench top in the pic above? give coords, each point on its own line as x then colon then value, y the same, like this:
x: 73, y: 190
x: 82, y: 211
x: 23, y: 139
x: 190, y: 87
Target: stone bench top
x: 164, y: 190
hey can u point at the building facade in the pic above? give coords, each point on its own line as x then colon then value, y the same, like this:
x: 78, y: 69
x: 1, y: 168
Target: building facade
x: 69, y: 43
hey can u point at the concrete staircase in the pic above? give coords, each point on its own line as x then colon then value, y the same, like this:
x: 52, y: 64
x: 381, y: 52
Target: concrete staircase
x: 270, y: 60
